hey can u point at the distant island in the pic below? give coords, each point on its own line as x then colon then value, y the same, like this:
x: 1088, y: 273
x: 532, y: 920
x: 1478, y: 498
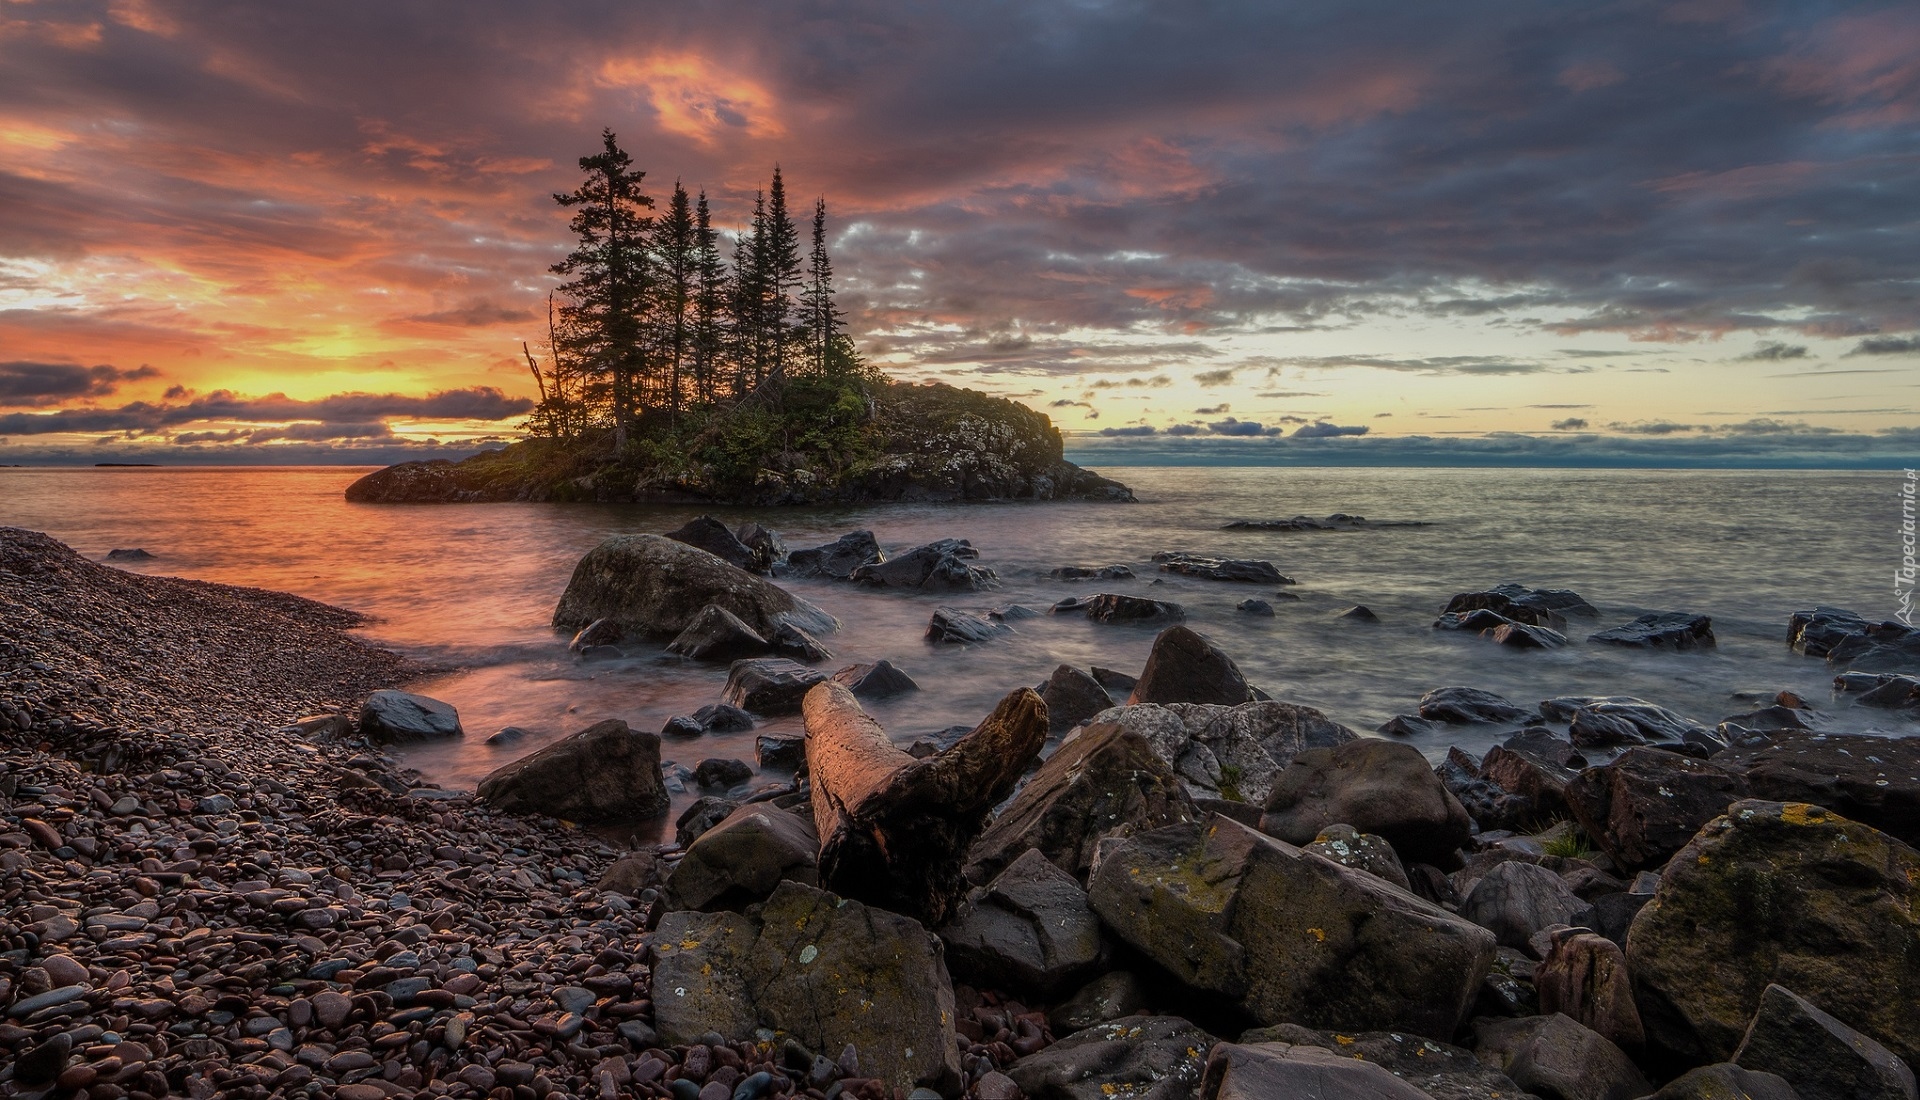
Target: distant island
x: 670, y: 375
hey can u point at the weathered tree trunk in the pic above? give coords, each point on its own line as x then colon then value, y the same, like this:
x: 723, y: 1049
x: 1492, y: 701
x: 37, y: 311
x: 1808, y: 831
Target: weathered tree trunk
x: 894, y: 831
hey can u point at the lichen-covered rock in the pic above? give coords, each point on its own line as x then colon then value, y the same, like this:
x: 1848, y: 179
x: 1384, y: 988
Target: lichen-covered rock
x: 1184, y: 667
x: 605, y: 772
x: 1871, y: 779
x: 740, y: 860
x: 650, y: 586
x: 1104, y: 781
x: 1030, y: 930
x: 828, y: 972
x: 1139, y: 1057
x: 1230, y: 752
x: 1376, y: 786
x: 1287, y: 937
x: 1648, y: 803
x: 1349, y: 847
x: 1784, y: 893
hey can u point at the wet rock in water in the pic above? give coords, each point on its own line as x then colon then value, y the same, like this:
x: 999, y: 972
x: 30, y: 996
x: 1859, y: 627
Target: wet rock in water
x: 764, y: 545
x: 712, y: 718
x: 1675, y: 630
x: 837, y: 559
x: 1534, y: 606
x: 1604, y: 721
x: 1850, y: 642
x: 1103, y: 781
x: 1084, y: 573
x: 1817, y: 631
x: 401, y: 716
x: 769, y: 685
x: 1262, y: 1071
x: 137, y: 553
x: 1647, y: 804
x: 1723, y: 1080
x: 598, y: 634
x: 879, y: 680
x: 1376, y: 786
x: 1338, y: 521
x: 709, y: 534
x: 1359, y: 613
x: 1030, y: 929
x: 1875, y: 780
x: 1522, y: 636
x: 1517, y: 900
x: 780, y: 752
x: 1487, y: 803
x: 1255, y: 607
x: 1437, y: 1069
x: 1072, y: 697
x: 1584, y: 976
x: 1111, y: 996
x: 1556, y: 1056
x: 950, y: 626
x: 1140, y: 1057
x: 1283, y: 936
x: 1013, y: 613
x: 509, y: 735
x: 792, y: 642
x: 704, y: 813
x: 606, y: 772
x: 1822, y: 1058
x: 650, y: 586
x: 1184, y: 667
x: 1407, y: 725
x: 1244, y: 571
x: 1113, y: 607
x: 716, y: 634
x: 1469, y: 706
x: 717, y: 773
x: 830, y: 972
x: 1889, y: 691
x: 740, y: 860
x: 943, y: 566
x: 1779, y: 892
x: 1229, y: 752
x: 1349, y: 847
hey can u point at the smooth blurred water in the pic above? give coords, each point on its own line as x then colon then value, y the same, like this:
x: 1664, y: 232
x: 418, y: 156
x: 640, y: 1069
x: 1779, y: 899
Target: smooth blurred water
x: 472, y: 586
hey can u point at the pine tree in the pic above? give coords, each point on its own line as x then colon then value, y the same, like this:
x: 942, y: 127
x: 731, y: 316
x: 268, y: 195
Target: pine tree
x: 609, y: 292
x: 780, y: 274
x: 823, y: 323
x: 709, y: 303
x: 676, y: 252
x: 749, y: 333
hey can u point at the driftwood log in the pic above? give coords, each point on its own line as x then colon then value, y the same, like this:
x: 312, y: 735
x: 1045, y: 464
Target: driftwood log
x: 894, y: 830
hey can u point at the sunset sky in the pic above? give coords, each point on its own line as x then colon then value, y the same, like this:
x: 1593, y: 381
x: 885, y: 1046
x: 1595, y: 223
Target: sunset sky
x: 1483, y: 231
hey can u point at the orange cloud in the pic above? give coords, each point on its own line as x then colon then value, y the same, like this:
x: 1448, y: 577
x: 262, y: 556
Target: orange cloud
x: 695, y: 97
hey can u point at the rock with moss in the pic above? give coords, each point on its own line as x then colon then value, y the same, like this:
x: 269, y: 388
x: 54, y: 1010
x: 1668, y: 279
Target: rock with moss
x: 1283, y: 936
x: 825, y: 971
x: 1139, y: 1057
x: 1787, y: 893
x: 647, y: 586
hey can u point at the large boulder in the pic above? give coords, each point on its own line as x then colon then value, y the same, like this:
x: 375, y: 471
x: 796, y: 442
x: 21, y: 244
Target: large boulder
x: 651, y: 586
x: 716, y: 634
x: 830, y: 972
x: 1438, y: 1069
x: 1287, y: 937
x: 1269, y: 1071
x: 1139, y: 1057
x: 1072, y: 697
x: 1860, y: 776
x: 709, y: 534
x: 1184, y: 667
x: 1648, y: 803
x: 769, y: 685
x: 1103, y: 781
x: 400, y: 716
x: 1676, y: 630
x: 1787, y: 893
x: 1556, y: 1056
x: 1517, y: 900
x: 1818, y: 1055
x: 1376, y: 786
x: 605, y: 772
x: 739, y: 861
x: 943, y: 566
x: 1229, y: 752
x: 1031, y: 930
x: 837, y: 559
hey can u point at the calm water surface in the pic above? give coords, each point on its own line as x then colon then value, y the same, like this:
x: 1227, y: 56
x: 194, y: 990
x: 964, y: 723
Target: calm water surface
x: 472, y: 586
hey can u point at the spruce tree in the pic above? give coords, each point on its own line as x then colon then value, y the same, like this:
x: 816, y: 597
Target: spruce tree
x: 609, y: 287
x: 709, y: 303
x: 823, y: 323
x: 676, y: 251
x: 780, y: 258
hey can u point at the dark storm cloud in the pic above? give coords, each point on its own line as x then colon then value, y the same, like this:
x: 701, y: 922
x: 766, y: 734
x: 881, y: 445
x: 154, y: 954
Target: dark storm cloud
x: 1570, y: 424
x: 27, y: 384
x: 1887, y: 345
x: 347, y: 414
x: 1773, y: 351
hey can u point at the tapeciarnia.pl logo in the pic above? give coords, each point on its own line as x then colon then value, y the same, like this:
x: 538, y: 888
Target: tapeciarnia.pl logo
x: 1903, y: 577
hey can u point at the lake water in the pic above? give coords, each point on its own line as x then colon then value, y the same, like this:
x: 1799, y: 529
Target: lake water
x: 472, y: 586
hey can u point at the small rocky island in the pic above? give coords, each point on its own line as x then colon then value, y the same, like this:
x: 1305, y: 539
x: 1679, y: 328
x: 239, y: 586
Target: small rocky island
x: 897, y: 442
x: 219, y: 881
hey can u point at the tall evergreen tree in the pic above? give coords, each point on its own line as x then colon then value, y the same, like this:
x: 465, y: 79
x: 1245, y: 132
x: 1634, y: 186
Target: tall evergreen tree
x: 676, y: 251
x: 780, y: 258
x: 823, y: 323
x: 748, y: 286
x: 709, y: 303
x: 609, y: 284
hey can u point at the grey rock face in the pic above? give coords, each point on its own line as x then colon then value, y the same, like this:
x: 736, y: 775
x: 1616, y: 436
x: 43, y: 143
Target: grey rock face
x: 1822, y: 1058
x: 1517, y: 900
x: 1030, y: 930
x: 1221, y: 751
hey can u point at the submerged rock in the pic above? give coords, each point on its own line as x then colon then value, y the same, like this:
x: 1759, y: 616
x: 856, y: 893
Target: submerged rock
x: 606, y: 772
x: 951, y: 626
x: 837, y: 559
x: 1084, y: 573
x: 137, y: 553
x: 1111, y: 607
x: 879, y: 680
x: 716, y: 634
x: 1469, y: 706
x: 650, y: 586
x: 1534, y: 606
x: 769, y: 685
x: 1676, y: 630
x: 399, y: 716
x: 1244, y: 571
x: 943, y: 566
